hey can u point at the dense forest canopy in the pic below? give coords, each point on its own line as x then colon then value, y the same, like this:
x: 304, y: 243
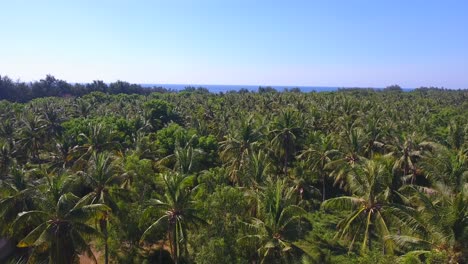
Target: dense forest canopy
x: 117, y: 173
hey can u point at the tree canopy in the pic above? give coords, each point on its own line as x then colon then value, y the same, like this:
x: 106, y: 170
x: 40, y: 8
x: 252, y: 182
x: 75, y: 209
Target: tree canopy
x: 118, y: 173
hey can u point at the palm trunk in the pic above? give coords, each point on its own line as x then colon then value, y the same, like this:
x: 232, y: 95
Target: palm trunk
x: 106, y: 249
x: 162, y: 249
x: 170, y: 246
x: 323, y: 187
x: 173, y: 245
x: 106, y: 236
x: 286, y: 153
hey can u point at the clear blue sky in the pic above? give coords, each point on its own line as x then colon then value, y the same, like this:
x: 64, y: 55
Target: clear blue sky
x: 321, y: 43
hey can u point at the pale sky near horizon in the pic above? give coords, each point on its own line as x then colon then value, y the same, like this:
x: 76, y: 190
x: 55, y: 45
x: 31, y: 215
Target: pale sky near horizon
x: 305, y: 43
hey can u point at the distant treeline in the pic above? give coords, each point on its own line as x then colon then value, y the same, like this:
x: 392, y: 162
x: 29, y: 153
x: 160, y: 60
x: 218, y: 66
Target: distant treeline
x: 17, y: 91
x: 51, y: 86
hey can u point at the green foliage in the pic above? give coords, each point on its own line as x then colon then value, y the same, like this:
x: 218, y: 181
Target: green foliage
x: 354, y: 176
x: 215, y: 251
x: 159, y: 113
x: 121, y: 128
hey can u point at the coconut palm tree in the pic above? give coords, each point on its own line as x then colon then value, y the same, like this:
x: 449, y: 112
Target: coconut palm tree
x: 82, y: 107
x: 318, y: 155
x: 375, y: 129
x: 447, y: 167
x: 98, y: 139
x: 352, y: 144
x: 17, y: 194
x: 408, y: 150
x: 286, y: 131
x: 32, y: 134
x: 441, y: 223
x: 102, y: 175
x: 52, y: 115
x: 7, y: 131
x: 6, y: 158
x: 456, y: 135
x: 238, y: 146
x: 259, y: 169
x: 62, y: 227
x: 184, y: 158
x: 370, y: 211
x: 177, y: 213
x: 61, y: 156
x: 278, y: 224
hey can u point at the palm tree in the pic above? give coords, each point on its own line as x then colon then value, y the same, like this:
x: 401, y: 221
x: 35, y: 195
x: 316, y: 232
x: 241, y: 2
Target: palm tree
x: 178, y: 213
x: 102, y: 176
x: 32, y: 133
x: 447, y: 167
x: 375, y: 130
x: 6, y: 158
x: 238, y: 146
x: 52, y: 118
x: 318, y: 155
x: 98, y: 139
x: 61, y: 156
x: 184, y: 158
x: 259, y: 168
x: 17, y: 194
x: 278, y: 224
x: 286, y: 130
x: 441, y: 223
x: 456, y: 135
x: 409, y: 150
x: 61, y: 228
x: 7, y: 131
x: 369, y: 206
x: 82, y: 107
x: 352, y: 144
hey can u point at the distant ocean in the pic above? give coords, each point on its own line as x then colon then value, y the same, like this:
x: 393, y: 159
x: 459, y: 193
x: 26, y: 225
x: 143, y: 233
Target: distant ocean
x: 225, y: 88
x: 215, y: 88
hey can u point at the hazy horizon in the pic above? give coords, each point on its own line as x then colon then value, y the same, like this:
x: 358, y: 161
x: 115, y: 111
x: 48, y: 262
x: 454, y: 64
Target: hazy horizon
x: 359, y: 43
x: 204, y: 85
x: 149, y: 84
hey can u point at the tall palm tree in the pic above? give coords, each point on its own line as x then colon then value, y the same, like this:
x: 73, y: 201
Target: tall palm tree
x: 184, y: 158
x: 456, y: 135
x: 82, y: 107
x: 32, y: 133
x: 7, y: 131
x: 318, y: 155
x: 102, y: 175
x: 61, y: 229
x: 369, y: 208
x: 441, y: 223
x: 259, y: 169
x: 285, y: 132
x: 97, y: 139
x: 177, y: 211
x: 408, y: 150
x: 238, y: 146
x: 61, y: 156
x: 17, y: 194
x: 6, y: 158
x: 278, y: 224
x: 51, y: 113
x: 352, y: 142
x: 375, y: 129
x: 447, y: 167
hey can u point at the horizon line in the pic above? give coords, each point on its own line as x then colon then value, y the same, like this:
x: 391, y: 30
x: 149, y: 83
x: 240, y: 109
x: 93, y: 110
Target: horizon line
x: 218, y: 84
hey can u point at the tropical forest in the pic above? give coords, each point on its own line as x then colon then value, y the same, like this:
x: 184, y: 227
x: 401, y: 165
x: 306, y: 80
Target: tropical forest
x: 118, y: 173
